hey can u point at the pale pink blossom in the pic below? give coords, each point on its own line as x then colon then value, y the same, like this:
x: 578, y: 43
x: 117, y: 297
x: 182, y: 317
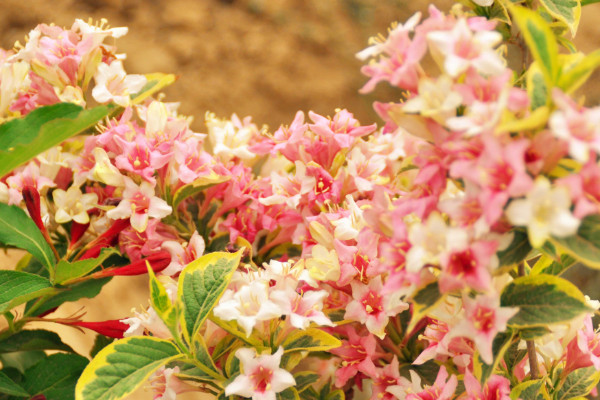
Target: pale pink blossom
x: 138, y: 157
x: 182, y: 255
x: 139, y: 204
x: 484, y: 318
x: 442, y: 389
x: 113, y: 84
x: 496, y: 388
x: 462, y: 48
x: 261, y: 378
x: 302, y: 308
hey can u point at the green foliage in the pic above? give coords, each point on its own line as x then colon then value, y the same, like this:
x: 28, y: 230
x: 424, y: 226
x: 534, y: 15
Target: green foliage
x: 542, y: 300
x: 585, y: 244
x: 517, y: 251
x: 17, y: 229
x: 311, y: 339
x: 67, y: 271
x: 578, y: 383
x: 201, y: 285
x: 18, y: 287
x: 8, y: 386
x: 528, y: 390
x: 540, y: 39
x: 424, y: 300
x: 43, y: 128
x: 122, y: 366
x: 26, y: 340
x: 86, y: 289
x: 55, y: 376
x: 567, y: 11
x: 500, y: 344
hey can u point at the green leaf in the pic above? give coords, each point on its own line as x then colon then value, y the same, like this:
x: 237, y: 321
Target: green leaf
x: 578, y: 383
x: 547, y: 265
x: 534, y: 332
x: 8, y: 386
x: 122, y: 366
x: 100, y: 342
x: 305, y: 379
x: 17, y: 229
x: 161, y: 303
x: 539, y: 39
x: 567, y: 11
x: 87, y: 289
x: 43, y: 128
x: 55, y: 376
x: 18, y: 287
x: 425, y: 299
x: 66, y: 271
x: 528, y: 390
x: 311, y: 339
x: 517, y: 251
x: 537, y: 90
x: 336, y: 395
x: 21, y: 360
x: 202, y: 355
x: 197, y: 186
x: 33, y: 340
x: 288, y: 394
x: 155, y: 82
x: 500, y: 344
x: 543, y: 299
x: 585, y: 244
x: 201, y: 285
x: 576, y: 74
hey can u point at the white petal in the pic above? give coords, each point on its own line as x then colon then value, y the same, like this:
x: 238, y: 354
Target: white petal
x: 242, y: 386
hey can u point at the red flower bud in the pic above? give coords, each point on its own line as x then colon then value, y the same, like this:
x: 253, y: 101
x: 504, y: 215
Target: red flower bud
x: 77, y: 231
x: 32, y: 201
x: 112, y: 328
x: 158, y: 262
x: 107, y: 239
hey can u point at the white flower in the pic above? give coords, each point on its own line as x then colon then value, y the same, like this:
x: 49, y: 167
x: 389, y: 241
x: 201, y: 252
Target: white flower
x: 73, y: 205
x: 104, y: 171
x: 112, y: 83
x: 261, y: 378
x: 302, y: 309
x: 483, y: 3
x: 545, y: 211
x: 248, y: 305
x: 182, y: 255
x: 230, y: 138
x: 139, y: 204
x: 436, y: 99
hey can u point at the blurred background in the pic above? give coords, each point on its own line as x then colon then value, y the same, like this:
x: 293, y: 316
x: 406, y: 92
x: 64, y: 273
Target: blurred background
x: 264, y: 58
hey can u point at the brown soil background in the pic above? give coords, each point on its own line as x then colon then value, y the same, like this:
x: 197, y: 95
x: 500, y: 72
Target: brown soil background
x: 265, y: 58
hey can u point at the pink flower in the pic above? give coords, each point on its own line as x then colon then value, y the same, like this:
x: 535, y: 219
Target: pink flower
x: 462, y: 48
x: 468, y: 267
x: 386, y: 377
x: 357, y: 354
x: 583, y: 350
x: 139, y: 158
x: 484, y: 318
x: 584, y: 188
x: 373, y: 308
x: 192, y: 161
x: 304, y: 308
x: 166, y: 386
x: 29, y: 176
x: 182, y: 256
x: 139, y: 204
x: 577, y: 125
x: 261, y: 376
x: 496, y: 388
x: 412, y: 390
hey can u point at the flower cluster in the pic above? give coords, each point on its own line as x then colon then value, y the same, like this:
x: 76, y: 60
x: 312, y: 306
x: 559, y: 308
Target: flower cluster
x: 417, y: 260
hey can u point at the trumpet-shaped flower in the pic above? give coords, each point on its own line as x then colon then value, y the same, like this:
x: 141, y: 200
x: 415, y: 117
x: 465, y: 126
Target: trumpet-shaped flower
x: 182, y: 255
x: 544, y: 211
x: 442, y: 389
x: 372, y: 307
x: 112, y: 83
x: 462, y: 49
x: 248, y: 305
x: 73, y: 205
x: 139, y: 203
x: 262, y: 377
